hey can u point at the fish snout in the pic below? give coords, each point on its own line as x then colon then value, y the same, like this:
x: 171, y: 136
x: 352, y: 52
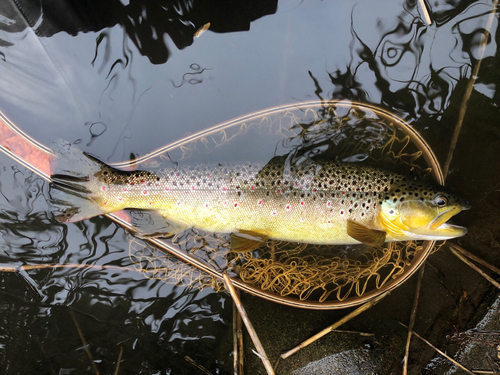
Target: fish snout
x: 465, y: 204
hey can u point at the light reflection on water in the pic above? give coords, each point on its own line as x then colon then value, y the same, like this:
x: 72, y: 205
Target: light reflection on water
x: 114, y: 304
x: 128, y: 83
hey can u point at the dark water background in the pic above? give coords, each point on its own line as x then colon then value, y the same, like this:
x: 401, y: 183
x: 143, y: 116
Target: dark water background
x: 124, y: 78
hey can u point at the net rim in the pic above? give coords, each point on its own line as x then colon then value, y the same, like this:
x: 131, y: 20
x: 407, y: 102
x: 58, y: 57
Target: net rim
x: 419, y: 258
x: 30, y: 148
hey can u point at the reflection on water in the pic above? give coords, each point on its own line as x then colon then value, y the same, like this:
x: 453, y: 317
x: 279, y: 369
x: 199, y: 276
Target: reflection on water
x: 119, y: 76
x: 116, y: 308
x: 146, y: 23
x: 400, y: 61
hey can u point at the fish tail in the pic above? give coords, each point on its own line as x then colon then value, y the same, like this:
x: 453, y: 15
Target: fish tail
x: 73, y: 192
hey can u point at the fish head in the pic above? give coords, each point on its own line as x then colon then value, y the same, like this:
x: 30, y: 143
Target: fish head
x: 420, y: 211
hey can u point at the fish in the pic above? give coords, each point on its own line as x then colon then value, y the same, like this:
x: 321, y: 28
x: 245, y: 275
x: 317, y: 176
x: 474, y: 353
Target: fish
x: 314, y: 202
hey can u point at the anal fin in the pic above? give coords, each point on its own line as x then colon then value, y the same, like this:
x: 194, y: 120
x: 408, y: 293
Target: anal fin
x: 246, y: 240
x: 155, y: 224
x: 365, y: 234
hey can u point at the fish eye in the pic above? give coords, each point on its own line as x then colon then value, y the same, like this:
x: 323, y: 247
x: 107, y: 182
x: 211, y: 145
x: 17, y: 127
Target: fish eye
x: 440, y: 201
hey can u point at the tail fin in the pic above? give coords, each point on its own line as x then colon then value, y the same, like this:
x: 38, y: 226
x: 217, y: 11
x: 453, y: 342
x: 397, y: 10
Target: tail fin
x: 72, y: 191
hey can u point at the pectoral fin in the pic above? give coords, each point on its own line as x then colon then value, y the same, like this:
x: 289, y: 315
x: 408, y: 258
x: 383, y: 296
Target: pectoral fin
x: 246, y: 240
x: 365, y: 234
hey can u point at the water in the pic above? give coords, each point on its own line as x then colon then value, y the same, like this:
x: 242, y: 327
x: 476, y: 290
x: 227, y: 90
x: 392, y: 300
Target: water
x: 124, y: 79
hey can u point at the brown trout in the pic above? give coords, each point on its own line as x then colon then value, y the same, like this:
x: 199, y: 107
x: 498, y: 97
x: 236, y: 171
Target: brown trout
x: 315, y: 202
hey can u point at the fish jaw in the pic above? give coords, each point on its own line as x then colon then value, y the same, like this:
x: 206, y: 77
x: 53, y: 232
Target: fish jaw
x: 443, y: 217
x: 445, y: 231
x: 438, y: 229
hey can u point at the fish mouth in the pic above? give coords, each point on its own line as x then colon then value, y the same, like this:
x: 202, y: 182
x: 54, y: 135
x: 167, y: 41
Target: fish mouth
x: 439, y: 229
x: 443, y: 217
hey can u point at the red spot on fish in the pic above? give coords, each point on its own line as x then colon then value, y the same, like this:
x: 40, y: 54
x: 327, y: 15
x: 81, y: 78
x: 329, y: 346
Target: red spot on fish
x: 274, y: 213
x: 224, y: 189
x: 143, y: 181
x: 302, y: 203
x: 329, y: 221
x: 145, y: 192
x: 105, y: 203
x: 120, y: 199
x: 150, y: 203
x: 341, y: 212
x: 206, y: 204
x: 124, y: 189
x: 225, y: 203
x: 166, y: 188
x: 193, y: 187
x: 343, y: 193
x: 178, y: 203
x: 315, y: 190
x: 328, y: 204
x: 235, y: 204
x: 259, y: 202
x: 302, y: 219
x: 278, y: 191
x: 252, y: 188
x: 297, y: 184
x: 104, y: 188
x: 288, y: 207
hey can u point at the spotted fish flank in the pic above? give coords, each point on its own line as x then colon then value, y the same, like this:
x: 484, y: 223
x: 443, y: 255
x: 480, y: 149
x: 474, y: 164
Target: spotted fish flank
x: 320, y: 202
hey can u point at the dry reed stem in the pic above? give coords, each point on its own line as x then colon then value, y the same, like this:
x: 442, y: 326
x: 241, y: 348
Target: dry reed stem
x: 199, y: 367
x: 238, y: 359
x: 469, y: 88
x: 43, y: 266
x: 412, y: 319
x: 425, y: 12
x: 84, y: 342
x: 251, y: 331
x: 474, y: 267
x: 331, y: 328
x: 440, y: 352
x: 475, y: 258
x: 355, y: 332
x: 118, y: 361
